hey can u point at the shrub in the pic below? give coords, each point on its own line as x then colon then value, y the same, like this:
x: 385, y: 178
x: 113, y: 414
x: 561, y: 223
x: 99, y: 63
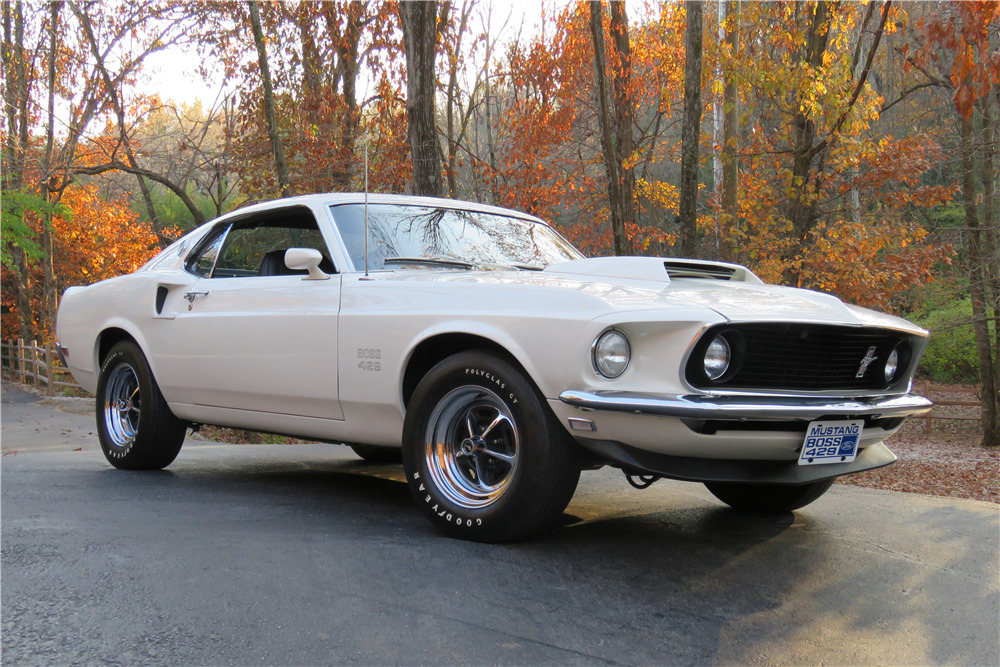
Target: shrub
x: 951, y: 354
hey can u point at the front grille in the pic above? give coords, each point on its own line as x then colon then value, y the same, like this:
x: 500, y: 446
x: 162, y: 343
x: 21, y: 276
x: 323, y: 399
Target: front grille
x: 800, y: 357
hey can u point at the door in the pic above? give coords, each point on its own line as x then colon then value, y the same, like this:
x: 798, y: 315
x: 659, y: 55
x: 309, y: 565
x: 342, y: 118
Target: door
x: 251, y: 333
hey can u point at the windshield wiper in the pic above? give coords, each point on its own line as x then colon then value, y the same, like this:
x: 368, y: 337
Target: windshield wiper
x: 431, y: 261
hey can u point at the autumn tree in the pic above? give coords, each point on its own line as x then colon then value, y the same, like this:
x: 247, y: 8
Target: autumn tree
x: 616, y: 117
x: 419, y: 21
x: 19, y: 246
x: 810, y: 140
x: 691, y: 132
x: 461, y: 46
x: 267, y: 89
x: 955, y: 51
x: 316, y: 54
x: 87, y: 90
x: 730, y: 133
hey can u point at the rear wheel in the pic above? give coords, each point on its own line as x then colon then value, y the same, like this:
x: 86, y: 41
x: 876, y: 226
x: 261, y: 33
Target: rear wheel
x: 768, y: 497
x: 484, y: 457
x: 136, y: 428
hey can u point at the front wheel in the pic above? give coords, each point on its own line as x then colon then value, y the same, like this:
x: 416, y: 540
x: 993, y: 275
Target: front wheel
x: 484, y: 457
x: 134, y: 424
x: 768, y: 497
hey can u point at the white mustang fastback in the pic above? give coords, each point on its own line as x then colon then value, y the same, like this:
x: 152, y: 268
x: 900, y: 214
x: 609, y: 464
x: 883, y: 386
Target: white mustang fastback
x: 491, y: 355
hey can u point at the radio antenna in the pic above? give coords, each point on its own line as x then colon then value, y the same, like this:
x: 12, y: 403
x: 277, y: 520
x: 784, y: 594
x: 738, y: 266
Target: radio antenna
x: 366, y: 209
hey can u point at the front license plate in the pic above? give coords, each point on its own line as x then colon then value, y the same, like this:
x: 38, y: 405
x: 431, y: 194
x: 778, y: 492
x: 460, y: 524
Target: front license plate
x: 831, y: 442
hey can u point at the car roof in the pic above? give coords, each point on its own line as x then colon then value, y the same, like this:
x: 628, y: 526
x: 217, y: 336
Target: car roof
x: 335, y: 198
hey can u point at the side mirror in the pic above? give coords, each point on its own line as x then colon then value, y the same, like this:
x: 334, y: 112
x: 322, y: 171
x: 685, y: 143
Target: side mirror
x: 307, y: 259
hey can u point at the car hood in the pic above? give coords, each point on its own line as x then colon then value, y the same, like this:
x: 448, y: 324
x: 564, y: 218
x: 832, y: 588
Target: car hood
x: 641, y: 284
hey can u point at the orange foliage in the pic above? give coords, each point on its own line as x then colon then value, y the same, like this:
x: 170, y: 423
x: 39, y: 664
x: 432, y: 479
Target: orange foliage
x: 867, y: 262
x: 323, y: 131
x: 98, y: 239
x: 547, y: 151
x: 101, y: 239
x: 963, y: 29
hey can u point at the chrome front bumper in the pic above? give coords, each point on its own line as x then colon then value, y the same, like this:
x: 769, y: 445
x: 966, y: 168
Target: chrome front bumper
x: 748, y: 408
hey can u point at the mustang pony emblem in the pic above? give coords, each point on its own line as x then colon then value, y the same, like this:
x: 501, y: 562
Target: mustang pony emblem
x: 866, y: 362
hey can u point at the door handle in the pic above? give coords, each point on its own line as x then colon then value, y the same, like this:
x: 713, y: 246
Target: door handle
x: 191, y: 296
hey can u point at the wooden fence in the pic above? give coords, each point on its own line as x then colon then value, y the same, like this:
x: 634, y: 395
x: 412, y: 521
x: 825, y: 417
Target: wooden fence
x: 27, y: 362
x: 942, y: 407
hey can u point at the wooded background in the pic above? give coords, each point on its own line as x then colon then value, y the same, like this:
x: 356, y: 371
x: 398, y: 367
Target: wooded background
x: 840, y: 146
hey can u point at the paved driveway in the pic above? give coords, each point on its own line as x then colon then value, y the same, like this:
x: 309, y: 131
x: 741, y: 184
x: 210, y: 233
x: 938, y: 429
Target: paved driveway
x: 259, y: 554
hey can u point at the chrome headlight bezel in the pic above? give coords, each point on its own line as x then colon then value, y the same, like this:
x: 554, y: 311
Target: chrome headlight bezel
x: 699, y: 369
x: 611, y: 354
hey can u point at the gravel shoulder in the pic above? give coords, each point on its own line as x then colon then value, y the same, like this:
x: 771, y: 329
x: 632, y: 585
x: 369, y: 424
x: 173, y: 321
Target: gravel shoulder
x: 949, y: 461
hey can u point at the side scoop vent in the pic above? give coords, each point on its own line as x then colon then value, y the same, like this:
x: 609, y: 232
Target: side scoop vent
x: 693, y: 270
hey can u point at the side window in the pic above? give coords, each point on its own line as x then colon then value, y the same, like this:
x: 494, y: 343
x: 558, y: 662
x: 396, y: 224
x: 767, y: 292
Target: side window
x: 248, y: 251
x: 255, y: 245
x: 204, y: 259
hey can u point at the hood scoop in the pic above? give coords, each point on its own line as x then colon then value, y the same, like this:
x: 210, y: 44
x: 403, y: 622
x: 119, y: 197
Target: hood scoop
x: 655, y: 268
x: 709, y: 271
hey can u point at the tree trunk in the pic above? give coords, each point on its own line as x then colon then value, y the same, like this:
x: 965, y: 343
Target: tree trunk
x: 624, y: 107
x: 349, y: 67
x: 16, y: 108
x: 687, y: 218
x: 730, y: 136
x: 800, y: 212
x: 345, y: 44
x: 718, y: 111
x: 611, y: 143
x: 865, y: 39
x: 50, y: 299
x: 491, y: 144
x: 990, y: 269
x: 419, y: 23
x: 977, y: 286
x: 265, y: 75
x: 800, y: 203
x: 453, y: 107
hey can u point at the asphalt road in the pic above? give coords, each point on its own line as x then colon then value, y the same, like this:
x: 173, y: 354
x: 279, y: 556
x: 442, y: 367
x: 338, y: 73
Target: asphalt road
x: 259, y: 554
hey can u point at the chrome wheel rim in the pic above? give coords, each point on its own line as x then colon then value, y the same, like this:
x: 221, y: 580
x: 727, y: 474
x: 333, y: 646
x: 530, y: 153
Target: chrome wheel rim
x: 472, y: 446
x: 122, y: 405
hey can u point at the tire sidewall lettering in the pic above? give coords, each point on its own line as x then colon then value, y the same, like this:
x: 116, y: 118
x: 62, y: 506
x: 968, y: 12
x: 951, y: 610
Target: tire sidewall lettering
x: 450, y: 517
x: 490, y: 379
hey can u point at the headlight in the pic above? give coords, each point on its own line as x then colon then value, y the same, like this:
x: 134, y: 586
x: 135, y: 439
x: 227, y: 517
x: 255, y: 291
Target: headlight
x: 717, y: 358
x: 891, y: 365
x: 897, y: 362
x: 611, y: 353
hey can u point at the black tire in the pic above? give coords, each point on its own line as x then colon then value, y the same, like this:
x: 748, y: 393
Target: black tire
x: 373, y: 454
x: 514, y: 482
x: 136, y: 428
x: 769, y: 498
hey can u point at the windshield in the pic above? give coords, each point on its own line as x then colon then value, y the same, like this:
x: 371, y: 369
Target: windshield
x: 427, y: 237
